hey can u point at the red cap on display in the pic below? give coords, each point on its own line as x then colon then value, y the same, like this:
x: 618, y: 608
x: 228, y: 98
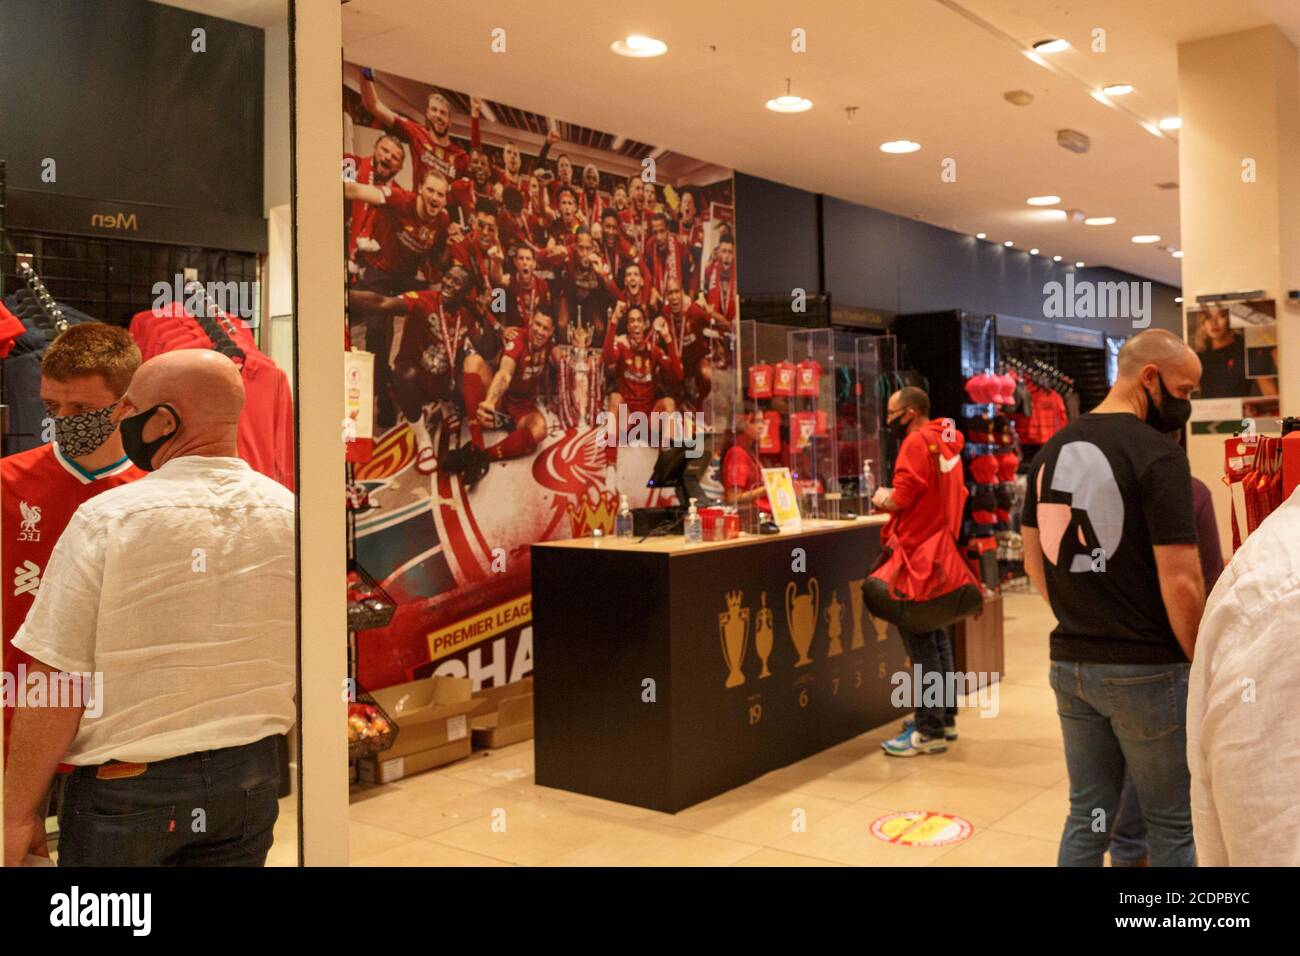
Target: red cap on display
x: 983, y: 509
x: 984, y: 469
x: 1004, y: 389
x: 1007, y: 462
x: 977, y: 387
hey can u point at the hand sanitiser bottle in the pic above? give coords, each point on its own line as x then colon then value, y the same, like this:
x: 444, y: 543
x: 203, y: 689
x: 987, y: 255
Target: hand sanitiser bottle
x: 868, y: 485
x: 623, y: 520
x: 694, y: 525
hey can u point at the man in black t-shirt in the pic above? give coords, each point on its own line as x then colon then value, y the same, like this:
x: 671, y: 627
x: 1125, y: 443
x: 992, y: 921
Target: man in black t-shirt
x: 1223, y: 360
x: 1110, y: 542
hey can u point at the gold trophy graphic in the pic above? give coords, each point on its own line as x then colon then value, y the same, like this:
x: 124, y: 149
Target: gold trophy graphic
x: 834, y: 611
x: 882, y: 629
x: 801, y: 617
x: 857, y: 607
x: 733, y: 629
x: 763, y: 636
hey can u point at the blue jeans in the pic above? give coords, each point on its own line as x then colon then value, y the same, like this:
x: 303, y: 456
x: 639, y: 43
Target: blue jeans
x: 1118, y: 715
x: 932, y: 651
x: 1128, y: 838
x: 211, y: 808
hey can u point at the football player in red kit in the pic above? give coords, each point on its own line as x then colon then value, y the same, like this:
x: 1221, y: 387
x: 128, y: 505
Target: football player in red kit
x: 431, y: 145
x: 719, y: 284
x: 411, y: 230
x: 690, y: 229
x: 436, y: 350
x: 514, y: 391
x: 614, y: 246
x: 568, y: 221
x: 466, y: 192
x: 526, y: 292
x: 481, y: 256
x: 635, y: 291
x: 377, y: 169
x: 666, y: 258
x: 562, y: 180
x: 84, y: 373
x: 639, y: 363
x: 592, y: 200
x: 687, y: 320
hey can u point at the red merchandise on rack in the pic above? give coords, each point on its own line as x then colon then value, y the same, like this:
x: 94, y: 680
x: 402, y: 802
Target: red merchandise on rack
x: 760, y: 380
x: 266, y: 424
x: 1255, y: 464
x: 784, y: 384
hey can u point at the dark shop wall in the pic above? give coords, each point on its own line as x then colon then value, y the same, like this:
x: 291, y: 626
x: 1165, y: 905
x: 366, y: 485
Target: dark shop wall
x: 880, y: 261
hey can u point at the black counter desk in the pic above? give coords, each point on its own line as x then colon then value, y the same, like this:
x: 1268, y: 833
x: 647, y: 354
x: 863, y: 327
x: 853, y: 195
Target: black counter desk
x: 667, y: 673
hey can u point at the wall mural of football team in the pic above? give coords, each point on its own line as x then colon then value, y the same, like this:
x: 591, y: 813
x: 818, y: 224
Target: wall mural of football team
x: 517, y: 279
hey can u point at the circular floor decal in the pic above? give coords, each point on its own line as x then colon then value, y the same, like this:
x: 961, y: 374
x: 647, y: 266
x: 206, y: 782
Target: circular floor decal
x: 921, y: 828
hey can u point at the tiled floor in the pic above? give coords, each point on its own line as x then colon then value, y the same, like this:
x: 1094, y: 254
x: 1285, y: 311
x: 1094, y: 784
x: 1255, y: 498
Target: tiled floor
x: 1006, y: 776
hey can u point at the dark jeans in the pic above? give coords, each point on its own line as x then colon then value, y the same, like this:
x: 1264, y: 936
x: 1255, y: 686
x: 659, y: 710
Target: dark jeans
x: 931, y: 651
x: 1115, y: 716
x: 211, y: 808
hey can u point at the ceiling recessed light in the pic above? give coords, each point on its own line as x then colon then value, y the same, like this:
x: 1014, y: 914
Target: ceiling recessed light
x: 789, y: 103
x: 1033, y: 252
x: 1143, y: 240
x: 1043, y: 200
x: 1178, y: 298
x: 1099, y: 221
x: 1008, y: 243
x: 639, y: 46
x: 981, y: 235
x: 1054, y: 214
x: 899, y: 146
x: 1078, y: 265
x: 1177, y: 253
x: 1171, y: 122
x: 1051, y: 46
x: 1118, y: 89
x: 1056, y: 258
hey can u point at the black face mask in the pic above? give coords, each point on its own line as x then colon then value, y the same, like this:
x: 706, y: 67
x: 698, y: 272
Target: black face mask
x: 898, y: 427
x: 1171, y: 414
x: 141, y: 452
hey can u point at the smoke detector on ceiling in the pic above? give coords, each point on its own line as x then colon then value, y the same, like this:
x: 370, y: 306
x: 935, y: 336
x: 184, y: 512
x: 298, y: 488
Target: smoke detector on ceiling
x: 1018, y: 97
x: 1073, y: 140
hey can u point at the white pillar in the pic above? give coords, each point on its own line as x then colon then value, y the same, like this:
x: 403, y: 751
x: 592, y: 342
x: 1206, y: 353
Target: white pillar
x: 1239, y: 99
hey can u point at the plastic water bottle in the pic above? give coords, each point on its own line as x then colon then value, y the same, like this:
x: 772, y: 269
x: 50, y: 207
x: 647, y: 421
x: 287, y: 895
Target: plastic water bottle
x: 623, y: 520
x: 694, y: 525
x: 868, y: 485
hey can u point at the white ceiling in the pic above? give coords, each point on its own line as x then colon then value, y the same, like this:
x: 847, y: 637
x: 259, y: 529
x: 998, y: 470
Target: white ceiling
x: 926, y: 70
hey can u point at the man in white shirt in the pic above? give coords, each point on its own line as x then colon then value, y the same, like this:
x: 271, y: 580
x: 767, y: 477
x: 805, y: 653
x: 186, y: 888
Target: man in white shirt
x: 174, y: 598
x: 1243, y: 704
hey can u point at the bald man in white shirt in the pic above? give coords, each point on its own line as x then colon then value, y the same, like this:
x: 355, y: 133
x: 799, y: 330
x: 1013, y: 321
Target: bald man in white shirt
x: 177, y: 598
x: 1243, y: 704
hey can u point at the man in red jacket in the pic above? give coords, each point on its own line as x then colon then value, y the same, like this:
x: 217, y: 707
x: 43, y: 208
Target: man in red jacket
x: 925, y: 507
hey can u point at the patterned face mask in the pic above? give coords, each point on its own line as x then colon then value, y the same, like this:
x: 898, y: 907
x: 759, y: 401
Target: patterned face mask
x: 82, y: 435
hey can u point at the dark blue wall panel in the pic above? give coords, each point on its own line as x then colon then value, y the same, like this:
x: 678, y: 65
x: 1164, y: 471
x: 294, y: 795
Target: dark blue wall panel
x: 777, y: 227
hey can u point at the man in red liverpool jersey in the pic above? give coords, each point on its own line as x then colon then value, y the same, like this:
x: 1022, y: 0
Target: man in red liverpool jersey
x: 719, y: 283
x: 437, y: 360
x: 592, y: 200
x: 563, y: 179
x: 636, y: 217
x: 377, y: 169
x: 84, y: 372
x: 526, y: 292
x: 665, y: 259
x: 635, y: 291
x: 481, y: 256
x: 467, y: 191
x: 411, y: 230
x: 514, y: 391
x: 690, y: 229
x: 568, y: 221
x: 431, y: 144
x: 614, y: 246
x: 641, y: 361
x: 688, y: 320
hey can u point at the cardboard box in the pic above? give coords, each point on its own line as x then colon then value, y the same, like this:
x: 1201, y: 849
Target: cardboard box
x: 504, y: 716
x: 429, y: 713
x: 384, y: 768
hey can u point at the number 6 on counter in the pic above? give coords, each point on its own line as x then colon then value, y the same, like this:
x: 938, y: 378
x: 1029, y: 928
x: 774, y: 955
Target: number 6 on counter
x: 803, y: 697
